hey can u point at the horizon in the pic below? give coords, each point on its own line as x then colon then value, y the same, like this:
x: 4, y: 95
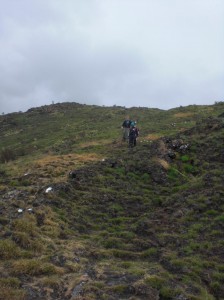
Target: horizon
x: 101, y: 52
x: 107, y: 106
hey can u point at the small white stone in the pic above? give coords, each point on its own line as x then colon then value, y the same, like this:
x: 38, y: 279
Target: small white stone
x: 48, y: 190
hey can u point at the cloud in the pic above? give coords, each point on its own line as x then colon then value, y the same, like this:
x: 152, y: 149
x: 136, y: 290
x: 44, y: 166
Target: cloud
x: 128, y: 52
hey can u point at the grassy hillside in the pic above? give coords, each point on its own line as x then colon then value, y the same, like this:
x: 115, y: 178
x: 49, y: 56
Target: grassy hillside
x: 63, y: 128
x: 142, y: 223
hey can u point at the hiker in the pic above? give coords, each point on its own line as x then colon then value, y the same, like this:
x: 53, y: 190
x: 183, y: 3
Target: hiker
x: 126, y: 126
x: 133, y: 134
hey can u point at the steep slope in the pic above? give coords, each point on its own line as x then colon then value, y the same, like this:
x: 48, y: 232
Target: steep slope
x: 142, y: 223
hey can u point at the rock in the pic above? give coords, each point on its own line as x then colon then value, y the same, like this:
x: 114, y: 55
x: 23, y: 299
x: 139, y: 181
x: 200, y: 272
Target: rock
x: 171, y: 154
x: 59, y: 260
x: 48, y: 190
x: 72, y: 174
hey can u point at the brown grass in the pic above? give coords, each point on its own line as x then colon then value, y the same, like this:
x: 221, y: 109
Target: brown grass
x: 183, y: 115
x: 95, y: 143
x: 162, y: 147
x: 152, y: 137
x: 7, y: 293
x: 161, y: 162
x: 65, y: 160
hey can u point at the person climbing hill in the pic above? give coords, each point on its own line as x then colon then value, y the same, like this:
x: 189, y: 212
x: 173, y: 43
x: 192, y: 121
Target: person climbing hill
x: 133, y: 134
x: 126, y: 127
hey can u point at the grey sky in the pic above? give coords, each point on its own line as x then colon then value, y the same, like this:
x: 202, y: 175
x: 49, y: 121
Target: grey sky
x: 154, y: 53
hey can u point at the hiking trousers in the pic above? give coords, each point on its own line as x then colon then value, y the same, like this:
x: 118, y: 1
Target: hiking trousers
x: 132, y: 141
x: 125, y: 134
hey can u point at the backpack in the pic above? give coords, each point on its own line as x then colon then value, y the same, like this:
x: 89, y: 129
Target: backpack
x: 127, y: 123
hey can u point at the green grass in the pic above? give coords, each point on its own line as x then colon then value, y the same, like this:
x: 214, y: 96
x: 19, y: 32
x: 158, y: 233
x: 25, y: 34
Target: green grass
x: 155, y: 221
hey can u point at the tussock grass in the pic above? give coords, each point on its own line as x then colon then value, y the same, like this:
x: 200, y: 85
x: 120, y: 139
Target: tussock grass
x: 154, y: 281
x: 150, y: 253
x: 52, y: 281
x: 26, y: 225
x: 12, y: 282
x: 8, y: 250
x: 9, y: 293
x: 120, y: 222
x: 34, y: 267
x: 123, y: 254
x: 26, y: 242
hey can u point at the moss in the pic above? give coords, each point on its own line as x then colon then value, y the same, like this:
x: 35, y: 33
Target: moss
x: 189, y: 169
x: 173, y: 174
x: 184, y: 158
x: 220, y: 218
x: 126, y: 264
x: 145, y: 177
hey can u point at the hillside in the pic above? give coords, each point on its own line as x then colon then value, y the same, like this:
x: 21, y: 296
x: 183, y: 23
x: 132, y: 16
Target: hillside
x: 142, y: 223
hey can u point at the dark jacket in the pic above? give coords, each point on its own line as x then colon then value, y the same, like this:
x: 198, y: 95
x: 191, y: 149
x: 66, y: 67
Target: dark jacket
x: 134, y: 132
x: 126, y: 124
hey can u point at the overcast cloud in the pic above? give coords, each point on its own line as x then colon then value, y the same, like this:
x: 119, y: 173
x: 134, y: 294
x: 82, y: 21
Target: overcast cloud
x: 154, y: 53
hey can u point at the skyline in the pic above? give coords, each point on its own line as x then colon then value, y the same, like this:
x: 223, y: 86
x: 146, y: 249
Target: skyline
x: 146, y: 53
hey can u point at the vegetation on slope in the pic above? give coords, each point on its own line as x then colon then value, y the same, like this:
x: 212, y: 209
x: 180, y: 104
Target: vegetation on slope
x: 142, y: 223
